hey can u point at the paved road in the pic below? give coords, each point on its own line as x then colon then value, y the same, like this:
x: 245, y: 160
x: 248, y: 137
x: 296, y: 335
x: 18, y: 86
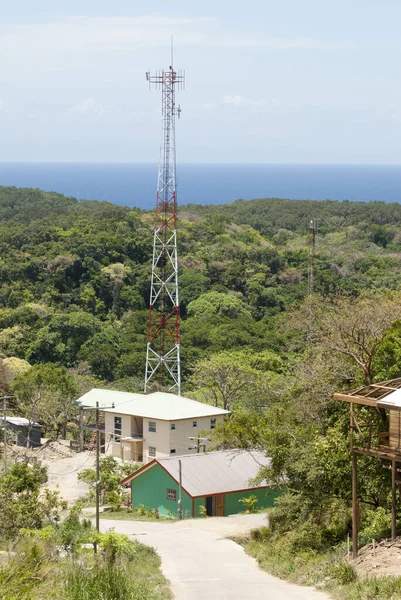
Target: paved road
x: 202, y: 565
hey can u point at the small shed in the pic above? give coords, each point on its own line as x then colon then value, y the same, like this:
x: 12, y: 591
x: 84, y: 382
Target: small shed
x: 212, y: 483
x: 26, y: 433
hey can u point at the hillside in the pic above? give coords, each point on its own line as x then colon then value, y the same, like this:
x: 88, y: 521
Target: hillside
x: 75, y: 275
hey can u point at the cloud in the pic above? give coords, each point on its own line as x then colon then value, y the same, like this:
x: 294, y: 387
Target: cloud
x: 90, y: 35
x: 87, y: 106
x: 241, y: 101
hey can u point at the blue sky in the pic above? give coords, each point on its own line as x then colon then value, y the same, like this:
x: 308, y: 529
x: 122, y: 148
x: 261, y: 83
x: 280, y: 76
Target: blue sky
x: 282, y: 82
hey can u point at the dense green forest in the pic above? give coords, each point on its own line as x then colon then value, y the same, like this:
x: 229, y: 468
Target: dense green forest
x: 74, y: 288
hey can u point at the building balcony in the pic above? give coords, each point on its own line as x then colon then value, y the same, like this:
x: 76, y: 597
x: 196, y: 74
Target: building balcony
x: 132, y: 438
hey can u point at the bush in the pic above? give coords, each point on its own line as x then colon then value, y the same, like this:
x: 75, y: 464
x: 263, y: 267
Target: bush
x: 343, y: 573
x: 378, y: 525
x: 262, y: 534
x: 249, y: 503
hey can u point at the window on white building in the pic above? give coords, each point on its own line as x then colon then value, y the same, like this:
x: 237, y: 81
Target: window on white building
x: 194, y: 423
x: 171, y: 494
x: 117, y: 428
x: 172, y: 451
x: 152, y: 426
x: 172, y: 426
x: 152, y: 451
x: 212, y: 423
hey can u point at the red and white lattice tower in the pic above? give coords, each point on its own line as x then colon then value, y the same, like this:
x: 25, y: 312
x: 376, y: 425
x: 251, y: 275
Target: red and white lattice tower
x: 163, y: 347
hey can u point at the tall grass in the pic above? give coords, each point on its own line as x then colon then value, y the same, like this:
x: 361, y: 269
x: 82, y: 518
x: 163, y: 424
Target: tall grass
x: 325, y: 570
x: 105, y: 582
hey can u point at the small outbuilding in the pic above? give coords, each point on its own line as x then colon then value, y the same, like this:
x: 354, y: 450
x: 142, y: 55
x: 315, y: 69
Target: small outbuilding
x: 212, y: 483
x: 24, y: 432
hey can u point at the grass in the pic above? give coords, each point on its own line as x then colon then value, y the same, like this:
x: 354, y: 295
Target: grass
x: 138, y: 579
x: 39, y: 572
x: 327, y: 571
x: 134, y: 515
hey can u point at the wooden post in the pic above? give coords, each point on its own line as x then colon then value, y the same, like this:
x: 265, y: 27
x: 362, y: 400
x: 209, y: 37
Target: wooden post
x: 355, y: 506
x: 393, y: 500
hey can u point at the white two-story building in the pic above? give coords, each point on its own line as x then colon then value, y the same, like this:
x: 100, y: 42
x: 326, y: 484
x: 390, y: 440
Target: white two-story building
x: 142, y: 427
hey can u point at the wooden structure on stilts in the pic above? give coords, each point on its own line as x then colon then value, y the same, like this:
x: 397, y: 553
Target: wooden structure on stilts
x: 378, y: 436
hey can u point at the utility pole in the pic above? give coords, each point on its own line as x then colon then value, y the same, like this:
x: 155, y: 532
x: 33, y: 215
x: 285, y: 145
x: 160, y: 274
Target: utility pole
x: 180, y: 489
x: 198, y: 444
x: 97, y: 464
x: 97, y: 468
x: 163, y: 344
x: 81, y: 428
x: 5, y: 398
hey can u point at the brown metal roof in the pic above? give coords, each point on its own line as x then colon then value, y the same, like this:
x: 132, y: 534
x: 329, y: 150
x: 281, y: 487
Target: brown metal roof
x: 371, y: 394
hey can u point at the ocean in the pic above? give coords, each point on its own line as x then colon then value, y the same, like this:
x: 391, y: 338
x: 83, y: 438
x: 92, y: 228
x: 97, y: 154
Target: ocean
x: 135, y: 184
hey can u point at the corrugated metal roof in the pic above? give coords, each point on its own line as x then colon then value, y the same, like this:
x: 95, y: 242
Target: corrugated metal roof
x: 19, y: 421
x: 159, y: 405
x: 216, y: 472
x: 392, y: 400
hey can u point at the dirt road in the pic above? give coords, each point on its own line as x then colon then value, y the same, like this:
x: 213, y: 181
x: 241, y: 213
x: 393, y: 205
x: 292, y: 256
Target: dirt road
x: 63, y: 474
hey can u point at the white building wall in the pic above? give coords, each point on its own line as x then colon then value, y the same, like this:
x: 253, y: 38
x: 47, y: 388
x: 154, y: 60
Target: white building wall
x: 164, y: 439
x: 159, y: 439
x: 186, y: 428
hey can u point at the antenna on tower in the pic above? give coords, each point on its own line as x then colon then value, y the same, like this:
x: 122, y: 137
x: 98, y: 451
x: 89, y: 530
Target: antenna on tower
x: 163, y: 346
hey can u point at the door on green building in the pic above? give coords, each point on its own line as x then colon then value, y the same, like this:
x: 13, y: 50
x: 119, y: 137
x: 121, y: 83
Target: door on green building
x: 220, y: 505
x: 215, y: 505
x: 210, y: 506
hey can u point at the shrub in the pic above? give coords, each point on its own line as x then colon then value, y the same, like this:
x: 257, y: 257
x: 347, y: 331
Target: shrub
x: 343, y: 573
x: 249, y: 503
x: 378, y: 525
x: 262, y: 534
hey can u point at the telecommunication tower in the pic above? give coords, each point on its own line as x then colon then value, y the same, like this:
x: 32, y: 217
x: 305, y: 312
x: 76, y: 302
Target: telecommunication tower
x: 313, y: 230
x: 163, y: 346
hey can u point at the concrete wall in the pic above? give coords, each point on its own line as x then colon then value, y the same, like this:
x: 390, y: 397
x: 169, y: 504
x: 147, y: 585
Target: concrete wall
x: 150, y: 489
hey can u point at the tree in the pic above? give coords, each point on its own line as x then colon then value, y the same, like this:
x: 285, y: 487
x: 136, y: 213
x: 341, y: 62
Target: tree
x: 23, y: 502
x: 232, y: 379
x: 117, y: 273
x: 46, y: 393
x: 216, y: 303
x: 111, y: 473
x: 353, y: 328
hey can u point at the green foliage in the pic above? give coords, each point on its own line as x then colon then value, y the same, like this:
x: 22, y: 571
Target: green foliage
x: 111, y: 473
x: 122, y: 569
x: 249, y: 503
x: 343, y: 573
x: 377, y: 525
x: 24, y: 505
x: 46, y: 393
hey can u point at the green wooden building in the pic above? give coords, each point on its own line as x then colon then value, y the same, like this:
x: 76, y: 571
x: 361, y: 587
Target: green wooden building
x: 216, y: 481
